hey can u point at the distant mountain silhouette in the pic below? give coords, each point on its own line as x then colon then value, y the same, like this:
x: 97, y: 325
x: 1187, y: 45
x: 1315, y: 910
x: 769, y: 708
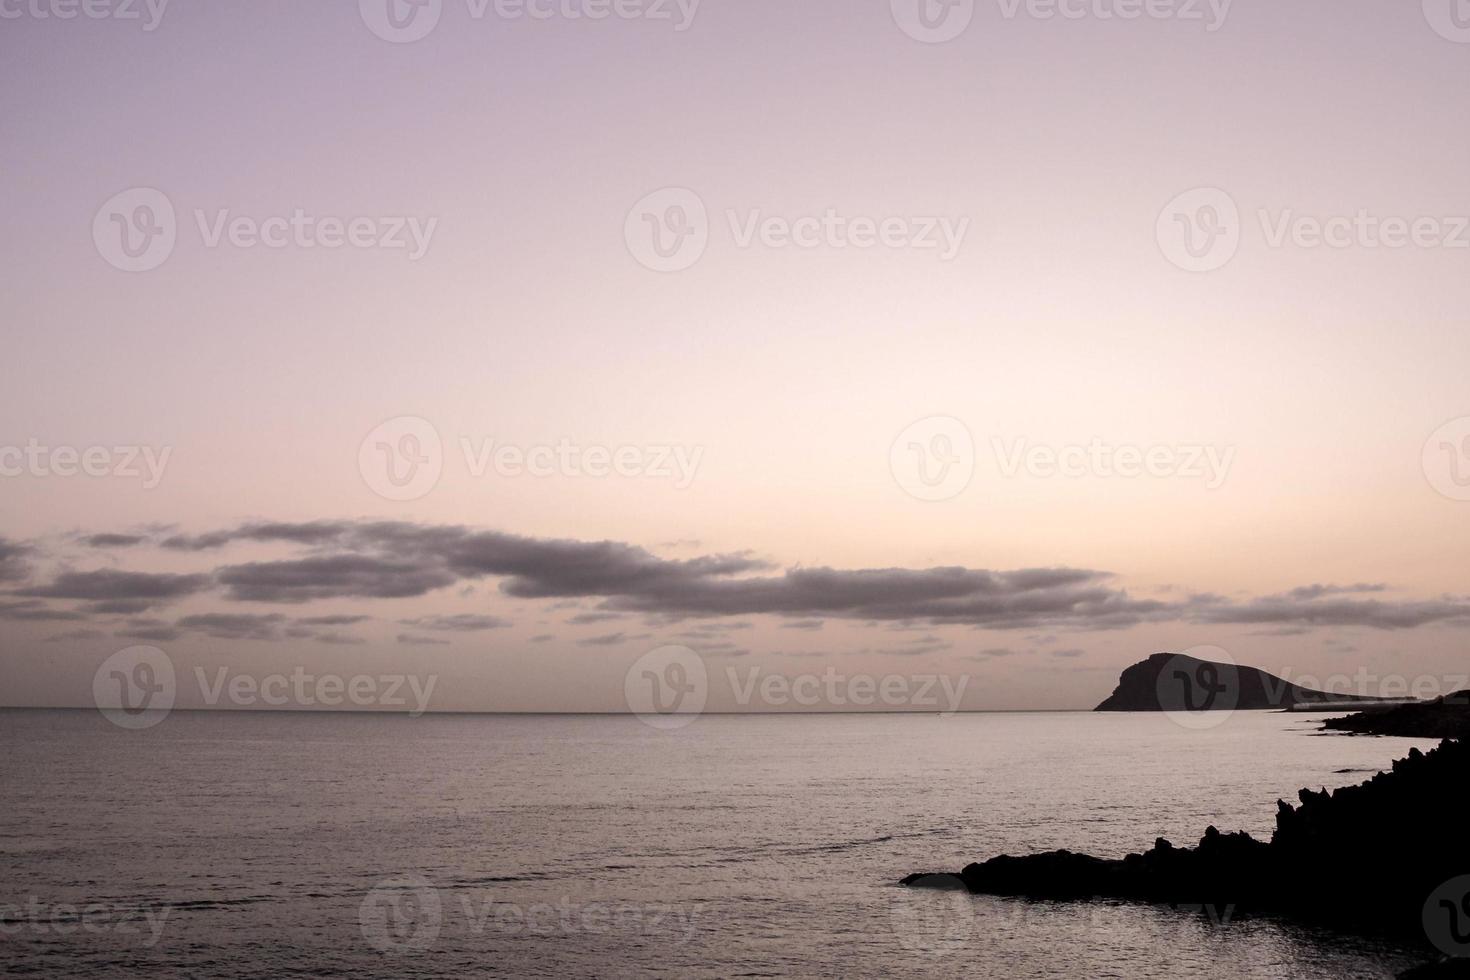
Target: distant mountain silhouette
x: 1446, y: 717
x: 1176, y: 682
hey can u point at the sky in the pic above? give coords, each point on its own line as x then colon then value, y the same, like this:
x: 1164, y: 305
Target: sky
x: 507, y: 343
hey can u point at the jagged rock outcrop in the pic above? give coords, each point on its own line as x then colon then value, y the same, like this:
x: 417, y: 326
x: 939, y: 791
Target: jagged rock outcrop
x: 1365, y: 858
x: 1177, y: 682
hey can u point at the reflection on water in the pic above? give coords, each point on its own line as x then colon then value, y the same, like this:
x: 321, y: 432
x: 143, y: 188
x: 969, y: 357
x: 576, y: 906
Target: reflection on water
x: 241, y: 844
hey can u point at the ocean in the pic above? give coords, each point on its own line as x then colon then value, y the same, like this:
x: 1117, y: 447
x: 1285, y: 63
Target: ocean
x: 234, y: 844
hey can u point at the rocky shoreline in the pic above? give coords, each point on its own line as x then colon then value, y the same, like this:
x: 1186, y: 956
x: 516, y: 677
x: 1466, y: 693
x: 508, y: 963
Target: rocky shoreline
x: 1446, y: 717
x: 1390, y: 856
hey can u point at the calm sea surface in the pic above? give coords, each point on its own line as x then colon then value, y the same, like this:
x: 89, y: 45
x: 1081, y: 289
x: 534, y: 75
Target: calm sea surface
x: 251, y: 844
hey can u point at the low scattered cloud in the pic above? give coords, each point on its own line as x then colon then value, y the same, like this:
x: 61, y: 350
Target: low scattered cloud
x: 331, y: 577
x: 1290, y: 610
x: 115, y: 591
x: 339, y: 620
x: 76, y: 636
x: 113, y: 540
x: 1318, y: 591
x: 606, y: 640
x: 152, y: 630
x: 337, y: 638
x: 994, y: 653
x: 588, y: 618
x: 235, y: 626
x: 14, y: 566
x: 458, y: 623
x: 418, y: 640
x: 35, y: 611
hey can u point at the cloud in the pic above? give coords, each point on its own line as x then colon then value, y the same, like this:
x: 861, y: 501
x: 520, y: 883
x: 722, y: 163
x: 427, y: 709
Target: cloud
x: 606, y: 640
x: 542, y: 638
x: 31, y: 610
x: 114, y: 591
x: 312, y: 533
x: 413, y: 639
x: 73, y: 636
x: 153, y: 630
x: 993, y: 653
x: 123, y: 607
x: 1318, y: 591
x: 918, y: 647
x: 460, y: 623
x: 113, y: 540
x: 235, y: 626
x: 336, y: 638
x: 804, y: 624
x: 1067, y: 654
x: 586, y: 619
x: 708, y: 628
x: 13, y: 564
x: 332, y: 620
x: 395, y: 559
x: 331, y: 577
x: 1289, y: 610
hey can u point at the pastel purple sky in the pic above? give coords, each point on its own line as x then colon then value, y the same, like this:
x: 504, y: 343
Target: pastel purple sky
x: 1063, y: 319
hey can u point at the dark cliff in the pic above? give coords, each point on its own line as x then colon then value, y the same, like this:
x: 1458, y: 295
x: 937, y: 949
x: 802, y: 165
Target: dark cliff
x: 1176, y: 682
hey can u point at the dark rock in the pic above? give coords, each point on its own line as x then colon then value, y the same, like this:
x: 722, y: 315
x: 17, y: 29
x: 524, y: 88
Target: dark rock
x: 1446, y: 717
x: 1363, y: 858
x: 1454, y: 969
